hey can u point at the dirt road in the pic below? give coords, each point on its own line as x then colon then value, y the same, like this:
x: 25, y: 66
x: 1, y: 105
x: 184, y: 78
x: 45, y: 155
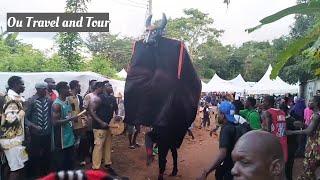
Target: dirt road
x: 193, y: 156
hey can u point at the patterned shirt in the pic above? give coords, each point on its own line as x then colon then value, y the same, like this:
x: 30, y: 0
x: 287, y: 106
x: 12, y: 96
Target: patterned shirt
x: 39, y: 113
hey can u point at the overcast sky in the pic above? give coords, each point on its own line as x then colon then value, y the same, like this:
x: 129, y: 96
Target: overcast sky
x: 127, y: 16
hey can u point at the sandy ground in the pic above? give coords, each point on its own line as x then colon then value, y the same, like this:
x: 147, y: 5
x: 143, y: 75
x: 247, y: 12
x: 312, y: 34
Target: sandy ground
x: 193, y: 157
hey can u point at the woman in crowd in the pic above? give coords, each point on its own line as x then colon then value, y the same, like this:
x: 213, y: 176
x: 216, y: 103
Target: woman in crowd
x: 312, y: 152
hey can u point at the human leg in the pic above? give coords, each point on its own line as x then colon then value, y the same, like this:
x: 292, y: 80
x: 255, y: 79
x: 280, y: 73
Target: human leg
x: 107, y: 148
x: 162, y: 156
x: 149, y: 147
x: 174, y: 153
x: 136, y: 133
x: 99, y: 140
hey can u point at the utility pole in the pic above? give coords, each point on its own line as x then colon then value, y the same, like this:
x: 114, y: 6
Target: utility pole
x: 149, y: 7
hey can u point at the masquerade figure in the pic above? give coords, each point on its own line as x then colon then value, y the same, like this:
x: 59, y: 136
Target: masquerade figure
x: 162, y: 91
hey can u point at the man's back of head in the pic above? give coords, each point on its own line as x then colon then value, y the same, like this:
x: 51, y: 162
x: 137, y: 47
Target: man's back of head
x: 258, y: 155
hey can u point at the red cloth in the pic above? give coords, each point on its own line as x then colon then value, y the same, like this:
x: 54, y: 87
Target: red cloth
x: 278, y: 128
x: 53, y: 96
x: 180, y: 60
x: 89, y: 174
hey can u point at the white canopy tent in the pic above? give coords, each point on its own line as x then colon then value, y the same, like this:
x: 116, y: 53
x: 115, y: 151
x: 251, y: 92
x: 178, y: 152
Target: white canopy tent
x: 275, y: 86
x: 238, y: 80
x: 30, y: 79
x: 240, y: 83
x: 216, y: 79
x: 204, y: 87
x: 217, y: 84
x: 122, y: 74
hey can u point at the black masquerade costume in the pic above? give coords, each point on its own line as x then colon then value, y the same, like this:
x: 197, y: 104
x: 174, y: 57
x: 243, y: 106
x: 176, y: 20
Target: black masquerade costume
x: 162, y: 89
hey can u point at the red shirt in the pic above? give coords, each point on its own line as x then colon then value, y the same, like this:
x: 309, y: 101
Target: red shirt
x: 278, y: 128
x: 53, y: 95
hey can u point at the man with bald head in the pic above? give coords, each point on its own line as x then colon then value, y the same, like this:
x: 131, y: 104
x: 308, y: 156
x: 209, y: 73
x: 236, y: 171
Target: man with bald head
x: 258, y: 155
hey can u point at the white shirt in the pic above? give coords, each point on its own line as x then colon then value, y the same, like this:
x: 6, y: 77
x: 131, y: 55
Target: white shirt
x: 239, y: 119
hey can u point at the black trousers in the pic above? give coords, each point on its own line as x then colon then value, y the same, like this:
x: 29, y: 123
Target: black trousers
x: 40, y: 154
x: 302, y: 141
x: 65, y: 159
x: 206, y: 122
x: 83, y: 150
x: 163, y: 152
x: 292, y: 147
x: 90, y: 139
x: 163, y: 149
x: 223, y: 173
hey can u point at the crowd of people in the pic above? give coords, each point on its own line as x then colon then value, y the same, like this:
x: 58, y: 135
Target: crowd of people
x: 56, y: 129
x: 295, y: 126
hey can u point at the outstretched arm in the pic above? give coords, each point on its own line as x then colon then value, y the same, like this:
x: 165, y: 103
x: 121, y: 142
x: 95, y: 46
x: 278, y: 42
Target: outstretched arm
x: 56, y: 114
x: 217, y: 161
x: 310, y: 129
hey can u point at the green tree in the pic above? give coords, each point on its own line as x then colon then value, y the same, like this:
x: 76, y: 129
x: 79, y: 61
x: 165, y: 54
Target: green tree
x: 14, y: 55
x: 195, y: 28
x: 212, y: 58
x: 112, y: 47
x: 70, y: 43
x: 101, y: 65
x: 306, y: 34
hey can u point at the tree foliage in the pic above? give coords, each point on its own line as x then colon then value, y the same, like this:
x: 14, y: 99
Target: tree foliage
x: 310, y: 33
x: 112, y: 47
x: 70, y: 43
x: 101, y: 65
x: 195, y: 28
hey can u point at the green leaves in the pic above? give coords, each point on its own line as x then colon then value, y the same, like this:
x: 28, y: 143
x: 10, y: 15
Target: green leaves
x: 295, y: 48
x: 194, y: 29
x: 305, y: 8
x: 299, y: 44
x: 101, y: 65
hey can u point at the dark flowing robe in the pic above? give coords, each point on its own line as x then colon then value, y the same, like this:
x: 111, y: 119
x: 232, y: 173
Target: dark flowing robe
x: 162, y: 89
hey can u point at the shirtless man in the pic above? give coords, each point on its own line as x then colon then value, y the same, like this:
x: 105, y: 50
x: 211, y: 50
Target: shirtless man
x: 98, y: 109
x: 86, y: 102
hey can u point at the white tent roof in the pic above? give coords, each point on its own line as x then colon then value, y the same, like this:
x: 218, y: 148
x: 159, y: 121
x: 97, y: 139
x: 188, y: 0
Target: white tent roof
x: 204, y: 87
x: 216, y: 79
x: 275, y: 86
x: 122, y: 74
x: 30, y: 79
x: 217, y: 84
x: 240, y: 83
x: 238, y: 80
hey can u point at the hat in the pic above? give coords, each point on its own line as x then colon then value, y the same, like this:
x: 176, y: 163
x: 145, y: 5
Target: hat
x: 41, y: 85
x: 228, y: 110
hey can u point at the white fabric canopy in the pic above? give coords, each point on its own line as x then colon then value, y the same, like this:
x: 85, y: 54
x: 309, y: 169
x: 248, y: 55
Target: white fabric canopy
x: 122, y: 74
x: 204, y: 87
x: 275, y: 86
x: 217, y: 84
x: 30, y: 79
x: 238, y: 80
x: 240, y: 83
x: 216, y: 79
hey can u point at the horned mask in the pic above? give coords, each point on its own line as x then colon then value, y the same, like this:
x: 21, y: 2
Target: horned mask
x: 153, y: 32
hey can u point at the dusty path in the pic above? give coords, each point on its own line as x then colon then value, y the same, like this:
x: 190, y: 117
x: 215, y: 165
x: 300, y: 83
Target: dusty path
x: 194, y: 155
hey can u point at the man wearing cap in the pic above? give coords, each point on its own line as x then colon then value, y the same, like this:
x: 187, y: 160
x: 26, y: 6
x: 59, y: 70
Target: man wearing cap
x: 38, y: 119
x: 223, y: 162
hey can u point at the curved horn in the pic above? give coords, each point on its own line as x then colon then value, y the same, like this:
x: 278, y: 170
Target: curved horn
x: 148, y: 21
x: 163, y: 22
